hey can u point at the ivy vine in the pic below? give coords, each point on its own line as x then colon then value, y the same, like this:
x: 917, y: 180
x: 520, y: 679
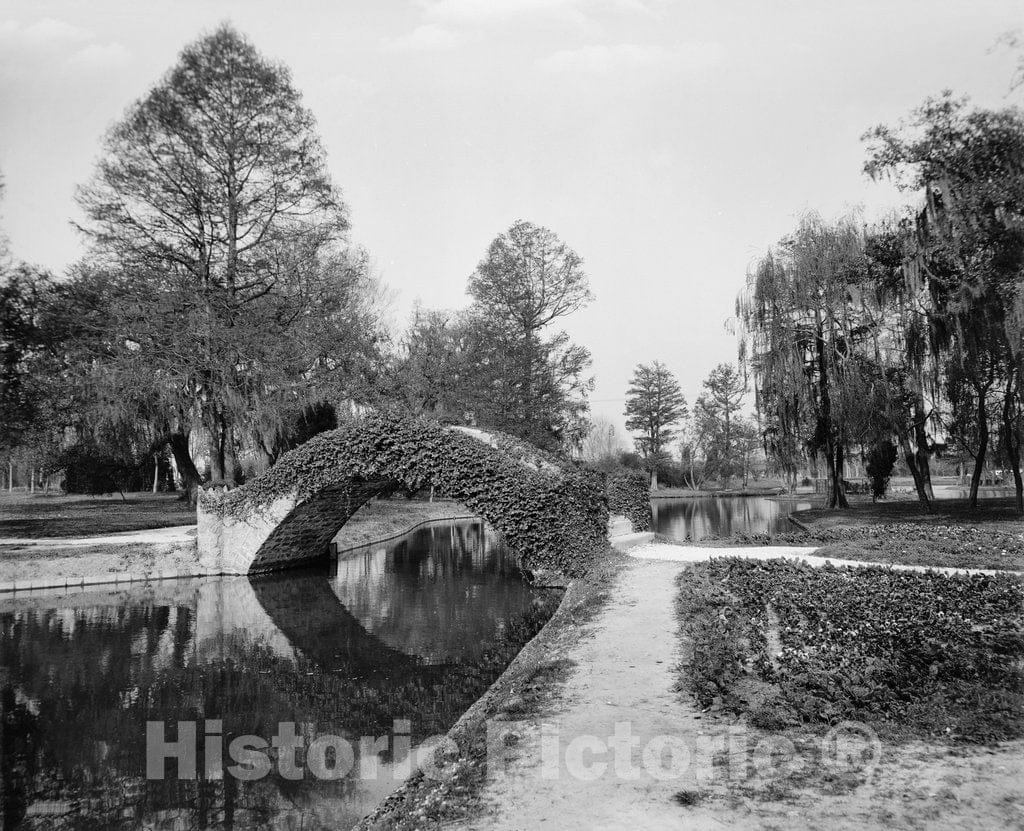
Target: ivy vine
x: 554, y: 517
x: 629, y: 494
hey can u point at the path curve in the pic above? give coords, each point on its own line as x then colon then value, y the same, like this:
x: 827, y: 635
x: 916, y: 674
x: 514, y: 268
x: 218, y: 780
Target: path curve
x: 170, y: 534
x: 694, y: 554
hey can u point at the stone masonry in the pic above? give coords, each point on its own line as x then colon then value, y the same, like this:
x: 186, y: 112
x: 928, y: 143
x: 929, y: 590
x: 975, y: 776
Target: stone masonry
x: 289, y: 532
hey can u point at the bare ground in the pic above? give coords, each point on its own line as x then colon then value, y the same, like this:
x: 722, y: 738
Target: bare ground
x: 624, y: 672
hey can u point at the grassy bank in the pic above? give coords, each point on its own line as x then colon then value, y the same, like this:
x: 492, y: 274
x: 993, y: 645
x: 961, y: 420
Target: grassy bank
x: 382, y: 519
x: 525, y: 689
x: 913, y: 655
x: 39, y: 515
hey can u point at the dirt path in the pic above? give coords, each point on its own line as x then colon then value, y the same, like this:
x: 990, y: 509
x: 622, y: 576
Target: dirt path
x: 619, y: 748
x: 624, y: 675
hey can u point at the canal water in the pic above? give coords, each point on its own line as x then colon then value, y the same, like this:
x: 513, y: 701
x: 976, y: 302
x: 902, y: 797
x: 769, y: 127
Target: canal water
x: 368, y: 657
x: 706, y: 517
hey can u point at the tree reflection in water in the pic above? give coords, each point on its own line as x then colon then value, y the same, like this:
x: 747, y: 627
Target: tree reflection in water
x: 723, y: 516
x: 80, y: 675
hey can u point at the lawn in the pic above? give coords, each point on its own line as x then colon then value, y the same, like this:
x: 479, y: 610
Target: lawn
x: 913, y: 654
x: 953, y: 535
x: 38, y: 515
x: 996, y: 514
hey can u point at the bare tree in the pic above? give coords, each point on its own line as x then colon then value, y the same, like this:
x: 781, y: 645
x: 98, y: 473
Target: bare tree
x: 602, y: 440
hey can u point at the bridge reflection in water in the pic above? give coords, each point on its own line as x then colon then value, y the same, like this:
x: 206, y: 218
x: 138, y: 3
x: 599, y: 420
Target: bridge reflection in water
x: 413, y: 630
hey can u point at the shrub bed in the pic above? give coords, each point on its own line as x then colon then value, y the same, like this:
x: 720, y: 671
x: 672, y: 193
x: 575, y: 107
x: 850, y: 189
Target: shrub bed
x: 629, y: 494
x: 912, y: 653
x: 554, y: 516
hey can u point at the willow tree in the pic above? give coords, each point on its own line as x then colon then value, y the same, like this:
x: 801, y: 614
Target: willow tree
x: 803, y: 322
x: 968, y: 256
x: 908, y: 343
x: 212, y: 206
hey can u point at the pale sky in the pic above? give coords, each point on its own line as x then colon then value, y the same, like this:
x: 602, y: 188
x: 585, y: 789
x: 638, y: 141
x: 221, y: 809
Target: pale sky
x: 668, y: 143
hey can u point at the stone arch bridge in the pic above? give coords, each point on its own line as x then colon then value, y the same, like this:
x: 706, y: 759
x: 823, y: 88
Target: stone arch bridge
x: 551, y: 512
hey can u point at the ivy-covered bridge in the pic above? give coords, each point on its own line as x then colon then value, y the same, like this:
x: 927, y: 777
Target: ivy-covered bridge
x: 553, y: 513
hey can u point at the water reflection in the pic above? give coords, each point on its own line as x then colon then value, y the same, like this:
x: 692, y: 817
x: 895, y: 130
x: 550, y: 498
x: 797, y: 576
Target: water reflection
x: 81, y: 674
x: 709, y: 517
x: 420, y: 597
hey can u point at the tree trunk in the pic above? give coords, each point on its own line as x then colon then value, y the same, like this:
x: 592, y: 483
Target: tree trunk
x: 923, y: 453
x: 833, y: 449
x: 10, y: 477
x: 156, y: 473
x: 727, y: 460
x: 1012, y: 437
x: 217, y: 431
x: 919, y: 481
x: 232, y: 464
x: 979, y: 459
x: 837, y: 492
x: 187, y: 470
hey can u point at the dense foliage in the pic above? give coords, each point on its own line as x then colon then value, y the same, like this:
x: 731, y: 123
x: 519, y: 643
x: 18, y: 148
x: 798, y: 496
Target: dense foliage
x: 221, y: 313
x: 880, y: 462
x: 554, y: 516
x: 629, y: 494
x: 921, y: 652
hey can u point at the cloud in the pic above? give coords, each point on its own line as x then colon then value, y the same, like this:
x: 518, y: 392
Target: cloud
x: 478, y: 11
x: 623, y: 57
x: 54, y: 43
x: 46, y: 33
x: 446, y: 20
x: 445, y: 24
x: 430, y: 37
x: 101, y: 55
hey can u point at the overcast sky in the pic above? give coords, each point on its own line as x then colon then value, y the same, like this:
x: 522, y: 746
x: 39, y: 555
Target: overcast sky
x: 668, y: 143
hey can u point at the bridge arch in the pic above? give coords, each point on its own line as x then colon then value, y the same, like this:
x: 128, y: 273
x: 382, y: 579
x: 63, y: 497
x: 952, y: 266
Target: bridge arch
x: 552, y: 513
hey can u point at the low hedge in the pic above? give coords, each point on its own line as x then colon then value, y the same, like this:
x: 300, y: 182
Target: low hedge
x: 554, y: 518
x: 629, y: 494
x: 922, y: 654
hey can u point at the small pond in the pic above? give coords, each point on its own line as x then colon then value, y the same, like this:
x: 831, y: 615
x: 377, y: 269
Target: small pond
x: 410, y: 632
x: 723, y: 516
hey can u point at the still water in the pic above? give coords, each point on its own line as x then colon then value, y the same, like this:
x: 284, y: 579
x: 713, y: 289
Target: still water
x: 412, y: 631
x: 708, y: 517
